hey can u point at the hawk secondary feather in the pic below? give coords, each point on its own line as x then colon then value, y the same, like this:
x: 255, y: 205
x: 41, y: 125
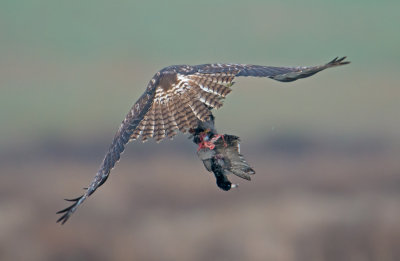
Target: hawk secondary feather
x: 179, y: 97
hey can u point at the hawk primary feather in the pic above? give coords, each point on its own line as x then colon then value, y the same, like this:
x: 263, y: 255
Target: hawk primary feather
x: 177, y: 98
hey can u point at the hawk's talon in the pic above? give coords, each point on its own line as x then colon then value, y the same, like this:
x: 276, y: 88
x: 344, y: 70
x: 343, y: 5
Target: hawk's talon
x: 206, y: 142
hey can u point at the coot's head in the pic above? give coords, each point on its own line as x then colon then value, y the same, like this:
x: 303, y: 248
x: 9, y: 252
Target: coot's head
x: 223, y: 183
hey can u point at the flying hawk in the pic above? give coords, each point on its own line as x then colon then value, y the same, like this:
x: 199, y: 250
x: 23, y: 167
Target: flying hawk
x: 180, y: 97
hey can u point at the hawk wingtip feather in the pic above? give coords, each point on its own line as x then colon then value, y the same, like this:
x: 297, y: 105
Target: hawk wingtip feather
x: 338, y: 61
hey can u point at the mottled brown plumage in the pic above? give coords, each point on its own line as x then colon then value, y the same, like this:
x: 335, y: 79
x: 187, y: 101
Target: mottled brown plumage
x: 179, y: 97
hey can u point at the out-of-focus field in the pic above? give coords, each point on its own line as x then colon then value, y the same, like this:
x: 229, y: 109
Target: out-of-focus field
x: 306, y: 202
x: 326, y: 149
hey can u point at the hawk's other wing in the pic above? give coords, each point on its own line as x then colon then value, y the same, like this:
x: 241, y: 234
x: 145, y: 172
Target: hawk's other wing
x: 129, y: 124
x: 176, y: 98
x: 283, y: 74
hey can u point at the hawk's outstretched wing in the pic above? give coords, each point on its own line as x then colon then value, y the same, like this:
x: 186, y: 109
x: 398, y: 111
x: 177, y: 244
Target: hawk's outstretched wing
x: 176, y: 98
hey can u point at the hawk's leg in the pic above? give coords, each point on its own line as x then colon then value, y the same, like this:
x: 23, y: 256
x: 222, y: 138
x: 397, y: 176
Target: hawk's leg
x: 205, y: 135
x: 207, y: 140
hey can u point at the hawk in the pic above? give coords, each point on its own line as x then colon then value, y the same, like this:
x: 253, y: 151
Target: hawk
x: 180, y: 98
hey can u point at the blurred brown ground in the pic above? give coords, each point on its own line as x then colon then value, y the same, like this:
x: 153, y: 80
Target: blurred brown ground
x: 308, y: 201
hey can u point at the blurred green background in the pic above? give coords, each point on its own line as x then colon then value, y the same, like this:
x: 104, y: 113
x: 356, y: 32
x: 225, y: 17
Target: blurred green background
x: 326, y: 152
